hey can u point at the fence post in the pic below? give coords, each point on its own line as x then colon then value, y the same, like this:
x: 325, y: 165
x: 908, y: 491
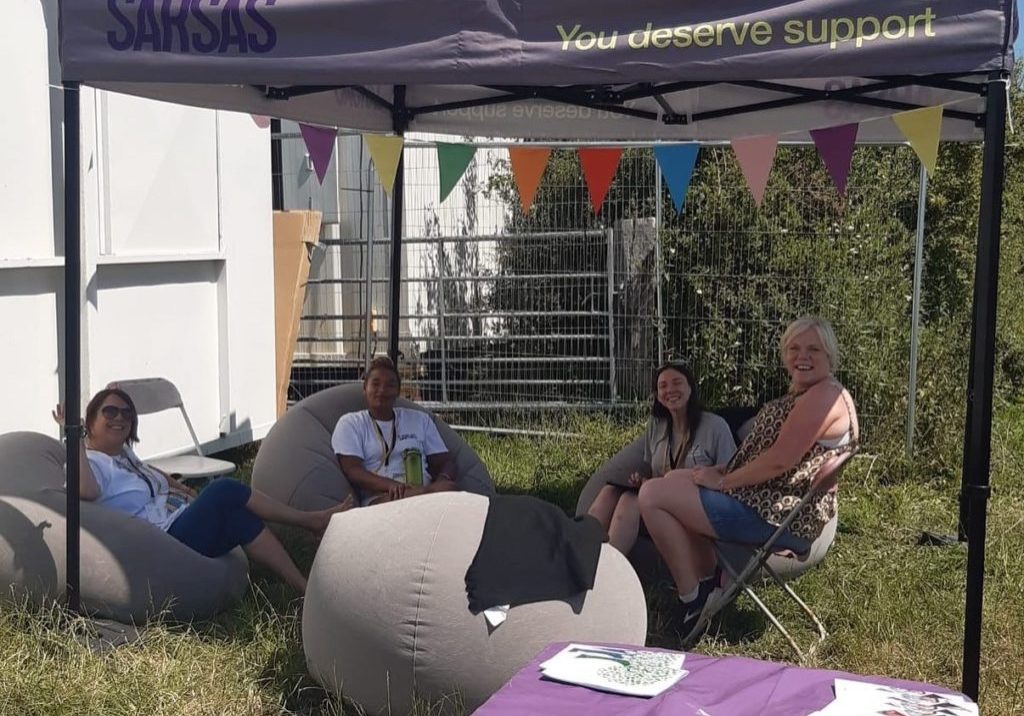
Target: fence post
x: 612, y: 382
x: 658, y: 267
x: 440, y: 318
x: 915, y: 311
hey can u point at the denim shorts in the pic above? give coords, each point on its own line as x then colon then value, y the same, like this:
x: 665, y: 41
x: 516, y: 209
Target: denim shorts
x: 734, y: 521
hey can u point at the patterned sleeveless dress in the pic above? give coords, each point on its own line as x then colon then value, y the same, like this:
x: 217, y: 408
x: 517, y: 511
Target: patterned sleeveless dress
x: 773, y: 500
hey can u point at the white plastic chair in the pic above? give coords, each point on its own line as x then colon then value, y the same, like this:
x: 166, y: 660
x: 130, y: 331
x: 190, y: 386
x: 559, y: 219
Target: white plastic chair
x: 154, y: 395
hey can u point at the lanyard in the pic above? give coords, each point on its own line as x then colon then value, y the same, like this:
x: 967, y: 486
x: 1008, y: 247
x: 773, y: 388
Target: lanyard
x: 672, y: 456
x: 385, y: 449
x: 129, y: 464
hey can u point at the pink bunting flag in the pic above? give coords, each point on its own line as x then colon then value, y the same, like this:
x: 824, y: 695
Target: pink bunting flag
x: 756, y: 156
x: 835, y: 145
x: 262, y: 121
x: 320, y: 145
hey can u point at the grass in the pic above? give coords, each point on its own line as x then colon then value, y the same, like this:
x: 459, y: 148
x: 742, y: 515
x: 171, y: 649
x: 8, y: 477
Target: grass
x: 891, y: 607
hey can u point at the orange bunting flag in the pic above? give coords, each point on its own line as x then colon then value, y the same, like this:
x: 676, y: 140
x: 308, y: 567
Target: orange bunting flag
x: 599, y: 167
x: 528, y: 165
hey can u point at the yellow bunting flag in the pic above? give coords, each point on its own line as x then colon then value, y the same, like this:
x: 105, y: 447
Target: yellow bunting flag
x: 922, y: 128
x: 385, y: 152
x: 528, y: 165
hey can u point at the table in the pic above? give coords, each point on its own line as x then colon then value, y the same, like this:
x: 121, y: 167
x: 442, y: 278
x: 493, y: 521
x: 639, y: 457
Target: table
x: 722, y: 686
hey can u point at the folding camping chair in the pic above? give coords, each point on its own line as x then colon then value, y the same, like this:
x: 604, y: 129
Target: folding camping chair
x: 743, y: 562
x: 154, y: 395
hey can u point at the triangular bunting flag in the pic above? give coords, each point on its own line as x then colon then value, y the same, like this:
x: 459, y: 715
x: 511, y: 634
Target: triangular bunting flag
x: 262, y: 121
x: 922, y: 127
x: 452, y: 160
x: 528, y: 165
x: 320, y: 145
x: 385, y: 153
x: 599, y: 167
x: 835, y: 145
x: 677, y: 162
x: 756, y: 156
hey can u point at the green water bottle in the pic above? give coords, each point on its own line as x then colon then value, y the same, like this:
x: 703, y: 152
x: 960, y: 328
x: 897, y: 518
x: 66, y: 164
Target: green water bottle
x: 413, y: 460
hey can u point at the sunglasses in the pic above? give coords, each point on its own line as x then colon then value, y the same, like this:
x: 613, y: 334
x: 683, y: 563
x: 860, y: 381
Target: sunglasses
x: 112, y: 411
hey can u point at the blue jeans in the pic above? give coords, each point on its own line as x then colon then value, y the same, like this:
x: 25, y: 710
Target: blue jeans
x: 734, y: 521
x: 217, y: 521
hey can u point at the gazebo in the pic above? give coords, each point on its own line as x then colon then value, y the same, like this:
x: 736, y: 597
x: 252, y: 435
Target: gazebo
x: 598, y: 70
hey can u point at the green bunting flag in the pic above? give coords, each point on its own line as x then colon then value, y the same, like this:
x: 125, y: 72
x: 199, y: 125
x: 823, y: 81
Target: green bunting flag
x: 452, y: 160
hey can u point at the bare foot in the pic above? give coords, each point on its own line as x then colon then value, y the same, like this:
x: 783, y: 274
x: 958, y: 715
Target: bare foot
x: 319, y: 520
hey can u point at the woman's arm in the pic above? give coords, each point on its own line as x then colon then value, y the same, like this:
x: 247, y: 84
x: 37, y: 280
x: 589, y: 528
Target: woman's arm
x: 88, y: 487
x: 811, y: 417
x: 441, y: 466
x: 367, y: 481
x: 175, y: 485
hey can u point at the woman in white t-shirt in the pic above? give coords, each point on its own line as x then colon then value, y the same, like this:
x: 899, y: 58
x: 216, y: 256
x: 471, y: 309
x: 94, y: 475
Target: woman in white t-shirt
x: 375, y: 446
x: 225, y: 515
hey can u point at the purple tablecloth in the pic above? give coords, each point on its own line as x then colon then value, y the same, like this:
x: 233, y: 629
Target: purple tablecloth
x: 727, y: 686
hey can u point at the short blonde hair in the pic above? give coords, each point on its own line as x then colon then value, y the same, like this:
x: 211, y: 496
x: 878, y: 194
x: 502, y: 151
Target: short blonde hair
x: 825, y: 334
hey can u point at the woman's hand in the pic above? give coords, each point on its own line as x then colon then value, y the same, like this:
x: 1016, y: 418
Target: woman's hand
x: 58, y: 414
x: 396, y: 491
x: 636, y: 480
x: 709, y: 477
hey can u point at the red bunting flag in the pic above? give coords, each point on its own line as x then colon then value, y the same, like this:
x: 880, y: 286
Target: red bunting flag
x: 528, y: 165
x: 599, y: 166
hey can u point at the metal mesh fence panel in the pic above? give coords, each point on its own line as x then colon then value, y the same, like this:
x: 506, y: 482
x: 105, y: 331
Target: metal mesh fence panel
x: 567, y: 307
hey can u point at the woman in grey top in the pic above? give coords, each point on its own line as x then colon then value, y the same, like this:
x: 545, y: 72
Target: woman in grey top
x: 679, y: 434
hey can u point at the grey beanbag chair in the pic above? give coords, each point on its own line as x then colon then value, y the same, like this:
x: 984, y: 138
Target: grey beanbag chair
x: 296, y: 464
x: 130, y: 570
x: 386, y: 612
x: 644, y: 556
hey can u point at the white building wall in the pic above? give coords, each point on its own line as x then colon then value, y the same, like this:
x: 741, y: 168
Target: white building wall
x: 176, y: 244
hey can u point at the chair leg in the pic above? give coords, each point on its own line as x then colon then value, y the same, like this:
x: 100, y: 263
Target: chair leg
x: 822, y: 632
x: 775, y: 622
x: 737, y: 582
x: 740, y: 580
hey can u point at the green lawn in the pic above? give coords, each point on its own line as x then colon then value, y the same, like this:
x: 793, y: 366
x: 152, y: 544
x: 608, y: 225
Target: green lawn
x: 891, y: 607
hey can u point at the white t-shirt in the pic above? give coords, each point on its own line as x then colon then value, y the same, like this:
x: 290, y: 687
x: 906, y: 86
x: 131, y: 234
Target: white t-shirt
x: 355, y: 436
x: 130, y: 486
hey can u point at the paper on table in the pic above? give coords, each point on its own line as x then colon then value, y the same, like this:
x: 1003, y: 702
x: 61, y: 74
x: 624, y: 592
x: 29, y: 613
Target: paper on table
x: 632, y: 672
x: 858, y: 698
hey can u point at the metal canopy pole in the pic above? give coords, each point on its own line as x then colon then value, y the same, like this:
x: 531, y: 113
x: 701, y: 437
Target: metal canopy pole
x: 72, y: 332
x: 400, y: 122
x: 980, y: 379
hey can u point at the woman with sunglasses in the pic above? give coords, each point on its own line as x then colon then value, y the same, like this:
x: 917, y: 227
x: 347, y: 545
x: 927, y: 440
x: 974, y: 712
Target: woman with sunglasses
x: 225, y: 515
